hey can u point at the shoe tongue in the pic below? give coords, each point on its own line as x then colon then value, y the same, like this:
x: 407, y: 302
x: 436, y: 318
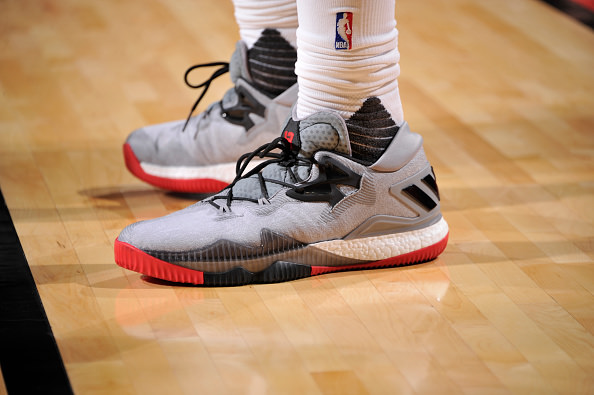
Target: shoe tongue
x: 321, y: 131
x: 238, y: 66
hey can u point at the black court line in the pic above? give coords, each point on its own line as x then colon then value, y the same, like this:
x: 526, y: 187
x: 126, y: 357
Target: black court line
x: 29, y: 356
x: 575, y: 10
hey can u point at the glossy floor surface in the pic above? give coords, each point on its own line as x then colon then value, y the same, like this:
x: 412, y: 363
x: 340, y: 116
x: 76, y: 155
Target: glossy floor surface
x: 502, y: 93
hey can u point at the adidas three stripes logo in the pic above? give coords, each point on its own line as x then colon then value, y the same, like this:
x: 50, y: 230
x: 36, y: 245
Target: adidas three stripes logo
x: 419, y: 196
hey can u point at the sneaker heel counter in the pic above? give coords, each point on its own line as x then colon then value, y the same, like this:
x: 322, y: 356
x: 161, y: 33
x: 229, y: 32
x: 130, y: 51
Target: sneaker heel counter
x: 403, y: 148
x: 418, y: 191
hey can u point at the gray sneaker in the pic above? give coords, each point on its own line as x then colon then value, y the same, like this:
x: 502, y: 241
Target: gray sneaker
x: 309, y: 209
x: 199, y: 154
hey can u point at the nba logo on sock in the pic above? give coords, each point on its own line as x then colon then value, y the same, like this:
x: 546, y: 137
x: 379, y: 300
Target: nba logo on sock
x: 344, y: 31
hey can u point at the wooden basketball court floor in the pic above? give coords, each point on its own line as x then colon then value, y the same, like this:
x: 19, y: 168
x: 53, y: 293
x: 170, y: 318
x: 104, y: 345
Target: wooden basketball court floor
x: 502, y: 92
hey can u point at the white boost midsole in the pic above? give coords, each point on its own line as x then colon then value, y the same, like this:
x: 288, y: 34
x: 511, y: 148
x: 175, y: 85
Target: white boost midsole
x: 376, y: 248
x: 224, y: 172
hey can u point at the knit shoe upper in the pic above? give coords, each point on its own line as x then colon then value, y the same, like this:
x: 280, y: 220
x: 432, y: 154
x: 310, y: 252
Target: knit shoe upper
x: 308, y: 209
x: 199, y: 155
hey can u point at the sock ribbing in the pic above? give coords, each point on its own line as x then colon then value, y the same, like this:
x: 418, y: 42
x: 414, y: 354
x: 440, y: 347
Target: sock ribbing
x: 371, y: 129
x: 333, y: 77
x: 272, y: 63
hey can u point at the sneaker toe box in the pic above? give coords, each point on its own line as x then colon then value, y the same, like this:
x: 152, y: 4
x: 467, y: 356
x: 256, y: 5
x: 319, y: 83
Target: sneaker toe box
x: 159, y: 144
x: 181, y: 230
x: 142, y: 145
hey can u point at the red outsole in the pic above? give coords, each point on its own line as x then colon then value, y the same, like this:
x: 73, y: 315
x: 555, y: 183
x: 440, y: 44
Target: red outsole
x: 130, y: 257
x: 193, y: 185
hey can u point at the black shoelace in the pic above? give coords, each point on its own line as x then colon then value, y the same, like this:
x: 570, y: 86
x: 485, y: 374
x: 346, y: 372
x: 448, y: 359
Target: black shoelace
x: 220, y: 71
x: 286, y: 158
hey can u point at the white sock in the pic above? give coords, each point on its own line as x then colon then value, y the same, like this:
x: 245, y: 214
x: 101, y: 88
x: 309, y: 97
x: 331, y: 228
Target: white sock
x: 342, y: 79
x: 253, y: 16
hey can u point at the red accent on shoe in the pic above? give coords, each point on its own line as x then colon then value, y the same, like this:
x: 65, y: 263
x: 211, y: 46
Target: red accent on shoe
x: 423, y: 255
x: 192, y: 185
x: 289, y: 136
x: 132, y: 258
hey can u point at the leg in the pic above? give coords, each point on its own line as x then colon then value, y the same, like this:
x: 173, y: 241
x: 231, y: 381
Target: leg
x: 353, y: 75
x: 268, y: 29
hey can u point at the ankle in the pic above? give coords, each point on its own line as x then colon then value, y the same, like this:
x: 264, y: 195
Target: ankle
x: 271, y: 62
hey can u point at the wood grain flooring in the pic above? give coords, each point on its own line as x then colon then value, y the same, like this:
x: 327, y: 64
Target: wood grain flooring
x: 502, y: 92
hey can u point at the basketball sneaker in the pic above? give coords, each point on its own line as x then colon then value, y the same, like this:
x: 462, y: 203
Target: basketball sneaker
x: 309, y: 208
x: 199, y: 154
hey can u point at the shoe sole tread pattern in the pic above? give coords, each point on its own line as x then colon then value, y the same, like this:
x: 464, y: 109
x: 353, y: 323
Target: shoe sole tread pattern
x: 132, y: 258
x: 191, y: 185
